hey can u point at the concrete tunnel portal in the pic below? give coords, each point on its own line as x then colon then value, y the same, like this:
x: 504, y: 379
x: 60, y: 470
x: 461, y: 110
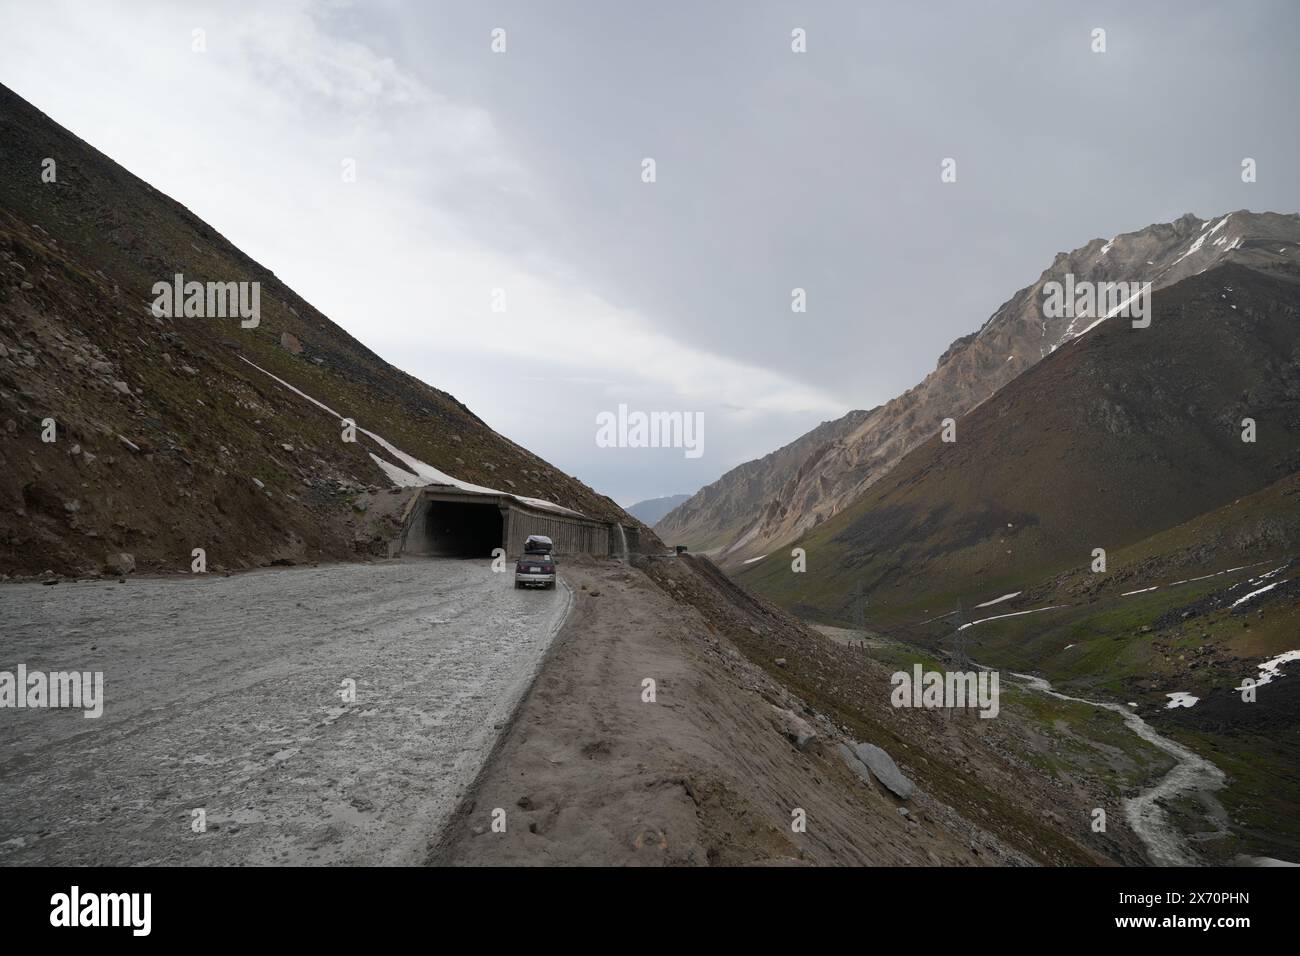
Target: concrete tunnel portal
x: 456, y: 529
x: 442, y: 521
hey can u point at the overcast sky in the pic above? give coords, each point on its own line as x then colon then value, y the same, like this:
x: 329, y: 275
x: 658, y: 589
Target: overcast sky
x: 522, y: 171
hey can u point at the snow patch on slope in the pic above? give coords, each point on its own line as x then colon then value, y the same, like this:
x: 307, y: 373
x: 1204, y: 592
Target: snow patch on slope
x: 1270, y: 668
x: 1200, y: 240
x: 999, y: 600
x: 999, y: 617
x: 1245, y: 598
x: 420, y: 473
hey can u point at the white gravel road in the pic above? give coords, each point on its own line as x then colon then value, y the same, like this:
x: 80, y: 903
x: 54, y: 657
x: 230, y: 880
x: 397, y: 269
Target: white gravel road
x: 224, y: 694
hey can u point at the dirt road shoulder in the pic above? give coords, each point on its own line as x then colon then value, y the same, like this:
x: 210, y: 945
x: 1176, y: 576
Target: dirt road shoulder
x: 602, y: 767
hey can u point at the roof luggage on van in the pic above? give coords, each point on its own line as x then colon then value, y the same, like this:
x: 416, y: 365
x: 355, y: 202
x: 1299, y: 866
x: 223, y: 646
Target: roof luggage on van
x: 537, y: 544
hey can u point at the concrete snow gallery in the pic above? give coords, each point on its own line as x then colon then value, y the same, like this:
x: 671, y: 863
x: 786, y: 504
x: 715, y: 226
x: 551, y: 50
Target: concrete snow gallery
x: 935, y: 689
x: 36, y: 689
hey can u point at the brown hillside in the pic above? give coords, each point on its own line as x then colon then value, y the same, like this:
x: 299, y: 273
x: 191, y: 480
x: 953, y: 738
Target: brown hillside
x: 167, y: 439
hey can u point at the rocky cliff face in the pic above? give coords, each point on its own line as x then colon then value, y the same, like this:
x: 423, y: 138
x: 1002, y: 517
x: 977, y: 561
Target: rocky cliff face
x: 762, y: 504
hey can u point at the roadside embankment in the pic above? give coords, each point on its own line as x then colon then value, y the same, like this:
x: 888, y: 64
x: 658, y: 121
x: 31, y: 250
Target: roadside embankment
x: 716, y: 762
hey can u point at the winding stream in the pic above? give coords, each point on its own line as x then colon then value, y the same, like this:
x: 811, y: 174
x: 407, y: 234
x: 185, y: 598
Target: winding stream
x: 1165, y: 845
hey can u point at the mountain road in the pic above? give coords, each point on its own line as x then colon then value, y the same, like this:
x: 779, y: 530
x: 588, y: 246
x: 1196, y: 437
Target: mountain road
x: 308, y: 715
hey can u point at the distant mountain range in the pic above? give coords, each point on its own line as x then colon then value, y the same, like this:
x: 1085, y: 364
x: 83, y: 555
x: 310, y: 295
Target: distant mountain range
x: 1111, y: 440
x: 652, y: 509
x: 763, y: 504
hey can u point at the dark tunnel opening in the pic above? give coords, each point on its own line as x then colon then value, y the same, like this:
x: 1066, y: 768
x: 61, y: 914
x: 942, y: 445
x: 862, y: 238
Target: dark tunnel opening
x: 456, y: 529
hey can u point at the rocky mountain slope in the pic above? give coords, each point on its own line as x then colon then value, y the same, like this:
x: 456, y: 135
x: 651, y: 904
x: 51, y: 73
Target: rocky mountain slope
x: 715, y: 517
x: 762, y: 504
x: 169, y: 433
x: 652, y: 509
x: 1113, y: 438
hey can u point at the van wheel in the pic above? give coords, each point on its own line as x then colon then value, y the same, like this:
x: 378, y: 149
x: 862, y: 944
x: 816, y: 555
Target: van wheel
x: 518, y: 585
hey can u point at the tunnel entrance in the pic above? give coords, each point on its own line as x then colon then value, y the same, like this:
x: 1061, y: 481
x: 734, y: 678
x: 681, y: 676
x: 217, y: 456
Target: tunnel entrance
x: 457, y: 529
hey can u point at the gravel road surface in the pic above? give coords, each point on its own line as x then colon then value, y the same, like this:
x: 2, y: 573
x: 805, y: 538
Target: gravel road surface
x: 225, y: 695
